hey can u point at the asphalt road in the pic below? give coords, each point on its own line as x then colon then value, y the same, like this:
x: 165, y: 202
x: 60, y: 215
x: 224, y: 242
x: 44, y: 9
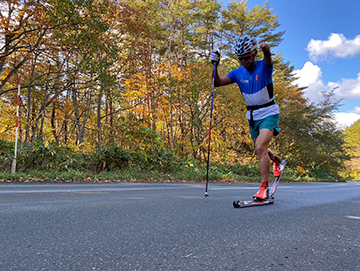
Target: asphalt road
x: 174, y: 227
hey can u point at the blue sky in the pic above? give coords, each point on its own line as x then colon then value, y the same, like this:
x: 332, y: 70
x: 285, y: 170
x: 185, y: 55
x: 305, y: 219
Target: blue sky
x: 322, y: 42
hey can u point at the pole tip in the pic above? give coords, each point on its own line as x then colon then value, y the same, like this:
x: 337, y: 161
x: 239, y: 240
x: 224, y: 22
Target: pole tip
x: 206, y: 195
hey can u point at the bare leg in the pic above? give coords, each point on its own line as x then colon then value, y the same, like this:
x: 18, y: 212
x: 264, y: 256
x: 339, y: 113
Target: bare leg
x: 271, y: 155
x: 264, y: 153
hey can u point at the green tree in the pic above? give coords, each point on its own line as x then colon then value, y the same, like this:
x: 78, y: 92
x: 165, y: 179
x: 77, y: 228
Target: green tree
x: 352, y: 143
x: 238, y: 20
x: 312, y: 141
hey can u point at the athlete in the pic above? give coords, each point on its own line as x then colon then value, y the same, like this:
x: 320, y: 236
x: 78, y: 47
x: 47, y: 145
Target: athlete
x: 254, y: 78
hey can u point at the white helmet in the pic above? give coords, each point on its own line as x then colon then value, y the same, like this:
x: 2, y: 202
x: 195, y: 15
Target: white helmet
x: 245, y: 45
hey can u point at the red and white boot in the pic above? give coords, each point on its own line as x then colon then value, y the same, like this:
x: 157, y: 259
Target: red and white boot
x: 277, y: 171
x: 263, y: 192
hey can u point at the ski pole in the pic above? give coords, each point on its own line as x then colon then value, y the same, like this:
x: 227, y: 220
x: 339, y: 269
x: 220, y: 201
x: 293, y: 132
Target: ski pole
x: 211, y: 109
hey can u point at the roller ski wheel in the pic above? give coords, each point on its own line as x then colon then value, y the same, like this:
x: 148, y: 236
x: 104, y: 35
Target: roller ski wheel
x: 259, y: 202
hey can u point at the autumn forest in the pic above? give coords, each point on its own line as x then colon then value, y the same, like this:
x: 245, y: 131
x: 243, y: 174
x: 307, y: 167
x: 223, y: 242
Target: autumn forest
x: 120, y: 81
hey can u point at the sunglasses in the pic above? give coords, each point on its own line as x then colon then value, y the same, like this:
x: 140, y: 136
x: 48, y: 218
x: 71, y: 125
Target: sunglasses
x: 245, y: 58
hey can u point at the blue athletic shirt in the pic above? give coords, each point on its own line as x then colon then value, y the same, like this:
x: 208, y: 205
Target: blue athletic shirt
x: 256, y: 87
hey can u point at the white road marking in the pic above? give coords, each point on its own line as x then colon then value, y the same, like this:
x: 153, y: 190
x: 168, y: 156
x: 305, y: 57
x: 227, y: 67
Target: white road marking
x: 353, y: 217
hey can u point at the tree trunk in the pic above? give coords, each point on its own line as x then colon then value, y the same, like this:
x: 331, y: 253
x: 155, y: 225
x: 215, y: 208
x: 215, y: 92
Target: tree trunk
x: 86, y: 114
x: 43, y: 114
x: 171, y: 102
x: 29, y: 105
x: 54, y: 123
x: 110, y: 116
x: 28, y: 117
x: 74, y: 95
x: 98, y: 130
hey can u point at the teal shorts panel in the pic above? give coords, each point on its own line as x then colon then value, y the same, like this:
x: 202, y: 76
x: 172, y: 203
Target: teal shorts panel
x: 270, y: 122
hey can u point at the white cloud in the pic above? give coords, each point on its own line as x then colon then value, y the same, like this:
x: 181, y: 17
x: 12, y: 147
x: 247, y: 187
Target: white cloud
x: 310, y: 76
x: 347, y: 88
x: 336, y: 46
x: 357, y: 110
x: 346, y: 119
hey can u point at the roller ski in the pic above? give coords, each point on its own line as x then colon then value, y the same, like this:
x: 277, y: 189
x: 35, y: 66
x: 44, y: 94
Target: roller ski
x: 264, y: 195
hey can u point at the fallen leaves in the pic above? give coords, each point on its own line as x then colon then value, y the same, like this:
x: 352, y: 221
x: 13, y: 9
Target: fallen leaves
x: 317, y: 252
x: 183, y: 257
